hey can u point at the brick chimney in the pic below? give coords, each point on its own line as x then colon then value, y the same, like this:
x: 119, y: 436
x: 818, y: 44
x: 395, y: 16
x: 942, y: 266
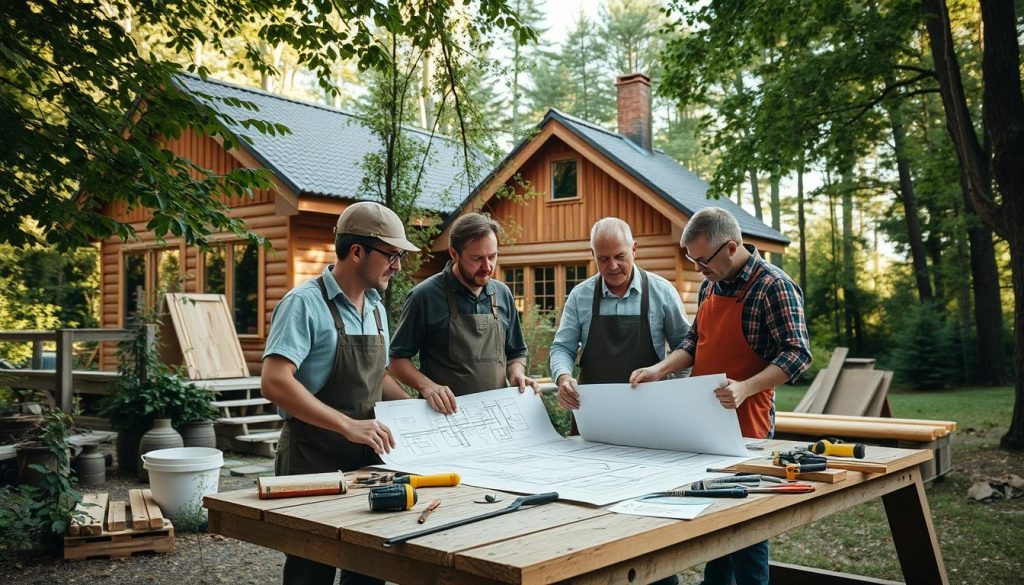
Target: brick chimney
x: 634, y: 106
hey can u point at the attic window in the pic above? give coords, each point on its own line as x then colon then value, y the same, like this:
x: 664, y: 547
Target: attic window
x: 564, y: 180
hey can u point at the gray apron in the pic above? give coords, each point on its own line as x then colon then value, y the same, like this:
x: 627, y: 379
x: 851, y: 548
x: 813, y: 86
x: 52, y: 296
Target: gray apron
x: 352, y: 388
x: 474, y: 360
x: 617, y: 344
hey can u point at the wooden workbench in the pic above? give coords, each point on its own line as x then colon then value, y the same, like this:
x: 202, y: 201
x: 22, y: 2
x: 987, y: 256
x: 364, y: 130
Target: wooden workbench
x: 564, y: 541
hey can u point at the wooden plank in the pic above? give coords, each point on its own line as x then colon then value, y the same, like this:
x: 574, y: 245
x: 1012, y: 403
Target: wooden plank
x: 862, y: 363
x: 881, y: 396
x: 917, y: 547
x: 835, y: 366
x: 206, y: 335
x: 812, y: 392
x: 63, y: 391
x: 767, y: 468
x: 247, y: 504
x: 92, y: 507
x: 615, y: 548
x: 156, y: 517
x: 375, y: 561
x: 140, y: 515
x: 787, y: 574
x: 115, y: 516
x: 853, y: 392
x: 120, y: 544
x: 947, y: 425
x: 861, y: 430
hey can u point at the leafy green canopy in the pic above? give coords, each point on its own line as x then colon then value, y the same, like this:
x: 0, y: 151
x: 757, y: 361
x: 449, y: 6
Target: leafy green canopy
x: 85, y: 111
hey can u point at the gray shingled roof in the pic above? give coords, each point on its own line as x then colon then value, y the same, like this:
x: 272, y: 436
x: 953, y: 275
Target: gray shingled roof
x: 323, y: 154
x: 684, y: 190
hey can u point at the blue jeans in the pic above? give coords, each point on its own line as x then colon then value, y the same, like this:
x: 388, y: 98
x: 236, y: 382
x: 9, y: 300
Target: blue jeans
x: 748, y: 566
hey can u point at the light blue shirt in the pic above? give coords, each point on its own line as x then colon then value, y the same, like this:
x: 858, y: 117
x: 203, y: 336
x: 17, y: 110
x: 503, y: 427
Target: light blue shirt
x: 302, y: 329
x: 668, y: 320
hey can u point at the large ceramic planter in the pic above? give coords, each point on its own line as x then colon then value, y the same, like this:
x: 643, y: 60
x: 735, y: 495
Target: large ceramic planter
x: 161, y: 436
x: 199, y: 434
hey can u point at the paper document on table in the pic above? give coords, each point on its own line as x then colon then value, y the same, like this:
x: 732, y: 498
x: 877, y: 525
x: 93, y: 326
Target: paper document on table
x: 503, y: 439
x: 663, y: 507
x: 681, y: 415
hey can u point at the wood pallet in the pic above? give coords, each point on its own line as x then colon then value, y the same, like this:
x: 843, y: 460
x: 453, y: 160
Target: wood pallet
x: 112, y: 529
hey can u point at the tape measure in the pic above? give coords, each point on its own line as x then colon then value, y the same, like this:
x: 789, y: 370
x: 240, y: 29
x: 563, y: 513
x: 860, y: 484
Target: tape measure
x: 392, y: 498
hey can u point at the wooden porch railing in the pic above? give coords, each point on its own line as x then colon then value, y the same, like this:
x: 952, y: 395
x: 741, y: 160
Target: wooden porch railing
x: 61, y: 380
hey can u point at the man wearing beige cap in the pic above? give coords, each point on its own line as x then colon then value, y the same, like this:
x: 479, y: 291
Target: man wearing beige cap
x: 326, y: 359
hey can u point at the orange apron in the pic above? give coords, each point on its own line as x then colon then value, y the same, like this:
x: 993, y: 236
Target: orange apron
x: 722, y: 347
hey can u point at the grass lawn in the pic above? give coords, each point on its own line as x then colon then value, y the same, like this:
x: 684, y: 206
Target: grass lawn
x: 980, y: 542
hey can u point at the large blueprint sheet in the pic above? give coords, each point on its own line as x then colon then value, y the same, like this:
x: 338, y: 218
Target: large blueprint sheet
x: 503, y: 440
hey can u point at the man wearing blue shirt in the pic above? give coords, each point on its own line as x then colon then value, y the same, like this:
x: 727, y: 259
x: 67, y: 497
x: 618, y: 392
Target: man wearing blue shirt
x: 621, y: 320
x: 325, y: 363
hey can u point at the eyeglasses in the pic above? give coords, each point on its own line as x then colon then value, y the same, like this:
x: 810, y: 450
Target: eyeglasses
x: 704, y: 263
x: 391, y: 256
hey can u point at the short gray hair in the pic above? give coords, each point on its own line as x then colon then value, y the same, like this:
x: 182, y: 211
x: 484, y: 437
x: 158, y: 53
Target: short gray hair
x: 716, y: 224
x: 608, y: 225
x: 470, y: 228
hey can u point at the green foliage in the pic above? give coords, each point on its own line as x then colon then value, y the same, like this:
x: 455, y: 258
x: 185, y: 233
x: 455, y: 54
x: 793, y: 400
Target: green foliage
x: 146, y: 389
x: 925, y: 349
x: 538, y: 331
x: 77, y: 143
x: 17, y: 314
x: 38, y: 515
x: 67, y: 280
x: 560, y: 417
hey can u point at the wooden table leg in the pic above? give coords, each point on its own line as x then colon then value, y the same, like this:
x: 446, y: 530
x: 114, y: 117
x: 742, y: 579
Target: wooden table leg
x: 910, y: 521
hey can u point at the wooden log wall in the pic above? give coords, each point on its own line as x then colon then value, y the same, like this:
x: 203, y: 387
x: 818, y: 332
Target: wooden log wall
x: 262, y: 217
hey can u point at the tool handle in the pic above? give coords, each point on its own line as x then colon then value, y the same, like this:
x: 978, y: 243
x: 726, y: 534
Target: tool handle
x: 736, y: 492
x: 436, y: 480
x: 534, y: 500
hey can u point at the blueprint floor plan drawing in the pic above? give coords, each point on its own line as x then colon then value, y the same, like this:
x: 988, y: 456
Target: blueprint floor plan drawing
x: 503, y: 439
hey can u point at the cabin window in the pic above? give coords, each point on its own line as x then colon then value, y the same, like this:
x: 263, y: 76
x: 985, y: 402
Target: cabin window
x: 233, y: 271
x: 564, y: 183
x: 514, y: 280
x: 134, y: 280
x: 544, y: 288
x: 168, y: 271
x: 574, y: 274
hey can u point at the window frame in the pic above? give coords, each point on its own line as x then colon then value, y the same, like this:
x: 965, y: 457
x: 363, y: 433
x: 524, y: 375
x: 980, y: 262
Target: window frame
x: 229, y: 283
x: 561, y: 293
x: 551, y: 180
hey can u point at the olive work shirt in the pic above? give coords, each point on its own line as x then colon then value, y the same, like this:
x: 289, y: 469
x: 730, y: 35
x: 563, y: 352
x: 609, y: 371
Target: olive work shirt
x: 425, y: 315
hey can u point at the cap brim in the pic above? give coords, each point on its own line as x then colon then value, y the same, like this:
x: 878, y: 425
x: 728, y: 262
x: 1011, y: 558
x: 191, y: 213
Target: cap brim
x: 400, y: 243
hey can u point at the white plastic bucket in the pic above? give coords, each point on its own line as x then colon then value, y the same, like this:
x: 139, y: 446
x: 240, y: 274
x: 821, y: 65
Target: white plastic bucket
x: 180, y: 478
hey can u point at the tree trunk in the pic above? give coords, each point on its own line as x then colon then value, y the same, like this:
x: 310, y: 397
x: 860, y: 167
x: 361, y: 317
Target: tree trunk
x: 776, y: 212
x: 850, y: 292
x: 1003, y: 120
x: 755, y: 194
x: 988, y: 305
x: 801, y: 222
x: 917, y: 251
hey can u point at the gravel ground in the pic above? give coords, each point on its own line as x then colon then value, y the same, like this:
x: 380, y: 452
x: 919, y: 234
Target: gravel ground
x: 198, y: 559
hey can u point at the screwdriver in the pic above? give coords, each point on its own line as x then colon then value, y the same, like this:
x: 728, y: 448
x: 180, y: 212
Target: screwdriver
x: 738, y: 491
x: 436, y: 480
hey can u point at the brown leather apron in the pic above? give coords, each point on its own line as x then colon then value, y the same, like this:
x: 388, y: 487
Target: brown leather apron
x: 474, y: 360
x: 352, y: 388
x: 617, y: 344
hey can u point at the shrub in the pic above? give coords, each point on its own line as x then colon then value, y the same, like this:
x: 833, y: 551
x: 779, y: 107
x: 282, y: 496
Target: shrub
x: 926, y: 349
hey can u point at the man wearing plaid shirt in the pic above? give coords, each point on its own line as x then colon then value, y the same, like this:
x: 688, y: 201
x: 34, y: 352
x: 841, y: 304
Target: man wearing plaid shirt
x: 750, y: 325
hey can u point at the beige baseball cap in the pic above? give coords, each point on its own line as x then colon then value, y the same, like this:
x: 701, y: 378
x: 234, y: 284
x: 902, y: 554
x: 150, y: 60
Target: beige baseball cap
x: 367, y: 218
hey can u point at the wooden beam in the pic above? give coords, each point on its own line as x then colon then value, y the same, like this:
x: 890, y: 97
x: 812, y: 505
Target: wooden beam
x: 910, y: 520
x: 786, y: 574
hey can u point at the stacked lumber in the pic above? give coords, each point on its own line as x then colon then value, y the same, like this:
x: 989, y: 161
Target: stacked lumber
x: 848, y: 386
x: 863, y: 427
x: 114, y: 529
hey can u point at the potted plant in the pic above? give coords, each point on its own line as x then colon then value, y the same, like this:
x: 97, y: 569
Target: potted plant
x: 45, y: 447
x: 193, y: 416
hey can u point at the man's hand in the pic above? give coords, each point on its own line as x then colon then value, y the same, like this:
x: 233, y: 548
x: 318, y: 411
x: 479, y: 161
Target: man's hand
x: 440, y: 398
x: 369, y: 432
x: 568, y: 395
x: 520, y: 379
x: 732, y: 394
x: 648, y: 374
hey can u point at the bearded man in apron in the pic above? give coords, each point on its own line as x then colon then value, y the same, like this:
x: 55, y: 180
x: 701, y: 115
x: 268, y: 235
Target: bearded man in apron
x: 325, y: 363
x: 750, y: 325
x: 621, y: 319
x: 462, y: 323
